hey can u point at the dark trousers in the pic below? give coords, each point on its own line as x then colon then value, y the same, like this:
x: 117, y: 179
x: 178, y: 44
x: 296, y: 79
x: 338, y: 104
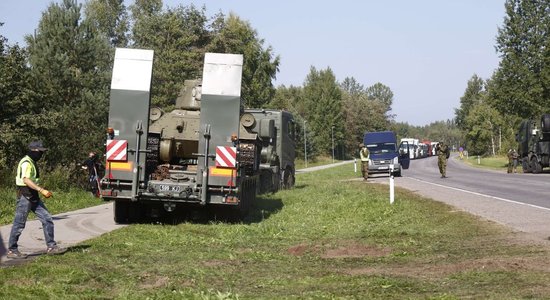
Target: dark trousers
x: 24, y: 206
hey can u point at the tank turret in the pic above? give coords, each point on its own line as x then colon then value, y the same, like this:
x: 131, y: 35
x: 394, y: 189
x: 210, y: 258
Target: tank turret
x: 190, y: 94
x: 178, y: 130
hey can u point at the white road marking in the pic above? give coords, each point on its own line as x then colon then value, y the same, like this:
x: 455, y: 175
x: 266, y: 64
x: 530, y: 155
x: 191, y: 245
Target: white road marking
x: 480, y: 194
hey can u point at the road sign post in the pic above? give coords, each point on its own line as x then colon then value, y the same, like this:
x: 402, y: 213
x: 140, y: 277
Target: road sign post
x: 392, y: 195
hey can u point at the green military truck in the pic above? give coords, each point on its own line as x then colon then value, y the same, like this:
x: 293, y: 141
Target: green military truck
x: 534, y: 144
x: 209, y: 152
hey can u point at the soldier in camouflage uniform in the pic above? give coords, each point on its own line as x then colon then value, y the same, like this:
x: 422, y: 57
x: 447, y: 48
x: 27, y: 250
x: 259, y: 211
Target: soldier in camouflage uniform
x: 364, y: 153
x: 512, y: 160
x: 443, y: 153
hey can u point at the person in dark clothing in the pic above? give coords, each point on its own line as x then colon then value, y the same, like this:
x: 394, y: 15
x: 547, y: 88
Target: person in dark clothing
x: 94, y: 168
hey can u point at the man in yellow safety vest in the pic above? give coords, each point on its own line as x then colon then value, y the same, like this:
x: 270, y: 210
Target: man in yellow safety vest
x: 28, y: 199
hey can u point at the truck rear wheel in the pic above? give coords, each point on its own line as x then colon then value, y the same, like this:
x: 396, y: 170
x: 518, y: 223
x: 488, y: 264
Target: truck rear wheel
x: 125, y: 212
x: 545, y: 123
x: 525, y: 165
x: 247, y: 196
x: 536, y: 167
x: 288, y: 179
x: 121, y: 211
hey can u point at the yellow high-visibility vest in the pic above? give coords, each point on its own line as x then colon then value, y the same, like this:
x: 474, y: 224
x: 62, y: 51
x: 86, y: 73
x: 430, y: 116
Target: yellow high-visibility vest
x: 28, y: 171
x: 365, y: 154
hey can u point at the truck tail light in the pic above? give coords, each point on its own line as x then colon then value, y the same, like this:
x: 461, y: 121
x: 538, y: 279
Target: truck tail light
x: 231, y: 199
x: 108, y: 193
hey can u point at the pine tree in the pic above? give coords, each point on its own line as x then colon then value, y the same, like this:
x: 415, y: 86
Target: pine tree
x: 70, y: 71
x: 15, y: 89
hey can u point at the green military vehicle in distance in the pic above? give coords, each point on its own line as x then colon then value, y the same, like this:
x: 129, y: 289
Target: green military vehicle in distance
x: 208, y: 153
x: 534, y: 144
x: 278, y: 149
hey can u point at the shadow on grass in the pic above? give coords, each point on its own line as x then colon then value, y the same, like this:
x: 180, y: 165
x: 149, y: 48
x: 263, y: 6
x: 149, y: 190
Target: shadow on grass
x: 260, y: 210
x: 300, y: 186
x: 263, y: 209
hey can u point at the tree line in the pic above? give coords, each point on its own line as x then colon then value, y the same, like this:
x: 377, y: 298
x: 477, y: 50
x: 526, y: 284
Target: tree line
x: 491, y: 109
x: 56, y: 87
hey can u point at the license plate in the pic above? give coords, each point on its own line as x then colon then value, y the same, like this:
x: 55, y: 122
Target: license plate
x: 382, y: 162
x: 169, y: 188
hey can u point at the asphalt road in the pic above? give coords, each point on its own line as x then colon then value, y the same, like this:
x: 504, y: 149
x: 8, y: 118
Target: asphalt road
x: 519, y: 201
x: 71, y: 228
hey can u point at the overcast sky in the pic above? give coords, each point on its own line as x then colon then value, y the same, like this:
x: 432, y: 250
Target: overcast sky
x: 424, y: 50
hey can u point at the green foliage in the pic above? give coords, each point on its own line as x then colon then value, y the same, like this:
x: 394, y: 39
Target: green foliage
x: 520, y: 84
x: 322, y: 100
x: 70, y: 70
x: 437, y: 131
x: 111, y: 18
x: 519, y: 89
x: 364, y: 110
x: 260, y: 64
x: 15, y: 90
x: 381, y: 93
x: 473, y: 95
x: 484, y: 123
x: 179, y: 37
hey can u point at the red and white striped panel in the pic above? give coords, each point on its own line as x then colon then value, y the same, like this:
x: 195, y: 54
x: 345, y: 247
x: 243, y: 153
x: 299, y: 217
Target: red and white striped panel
x: 117, y: 150
x: 226, y: 156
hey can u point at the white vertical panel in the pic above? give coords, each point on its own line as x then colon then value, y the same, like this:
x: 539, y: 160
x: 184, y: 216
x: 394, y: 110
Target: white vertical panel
x: 132, y: 70
x: 222, y: 74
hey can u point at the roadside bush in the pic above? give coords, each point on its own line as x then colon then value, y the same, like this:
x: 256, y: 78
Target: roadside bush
x: 65, y: 178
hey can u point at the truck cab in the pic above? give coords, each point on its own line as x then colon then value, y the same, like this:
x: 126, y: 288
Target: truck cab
x: 385, y: 153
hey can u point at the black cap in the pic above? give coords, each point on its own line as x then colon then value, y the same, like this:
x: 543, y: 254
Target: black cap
x: 37, y: 146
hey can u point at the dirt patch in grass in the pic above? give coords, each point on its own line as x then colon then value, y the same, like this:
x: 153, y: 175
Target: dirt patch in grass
x: 220, y: 263
x: 356, y: 250
x: 215, y: 263
x: 437, y: 270
x: 299, y: 250
x: 149, y: 281
x: 340, y: 249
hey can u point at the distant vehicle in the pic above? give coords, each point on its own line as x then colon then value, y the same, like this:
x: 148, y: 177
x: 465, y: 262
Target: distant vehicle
x: 429, y: 149
x: 433, y: 144
x: 423, y: 150
x: 385, y: 152
x: 534, y: 144
x: 413, y: 147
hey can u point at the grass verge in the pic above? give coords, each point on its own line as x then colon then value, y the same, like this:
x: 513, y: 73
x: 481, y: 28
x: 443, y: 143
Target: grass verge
x: 498, y: 162
x: 318, y: 161
x: 330, y: 237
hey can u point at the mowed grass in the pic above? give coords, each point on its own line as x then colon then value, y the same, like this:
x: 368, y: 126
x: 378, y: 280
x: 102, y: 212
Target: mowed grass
x: 300, y: 163
x: 498, y: 162
x: 333, y: 236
